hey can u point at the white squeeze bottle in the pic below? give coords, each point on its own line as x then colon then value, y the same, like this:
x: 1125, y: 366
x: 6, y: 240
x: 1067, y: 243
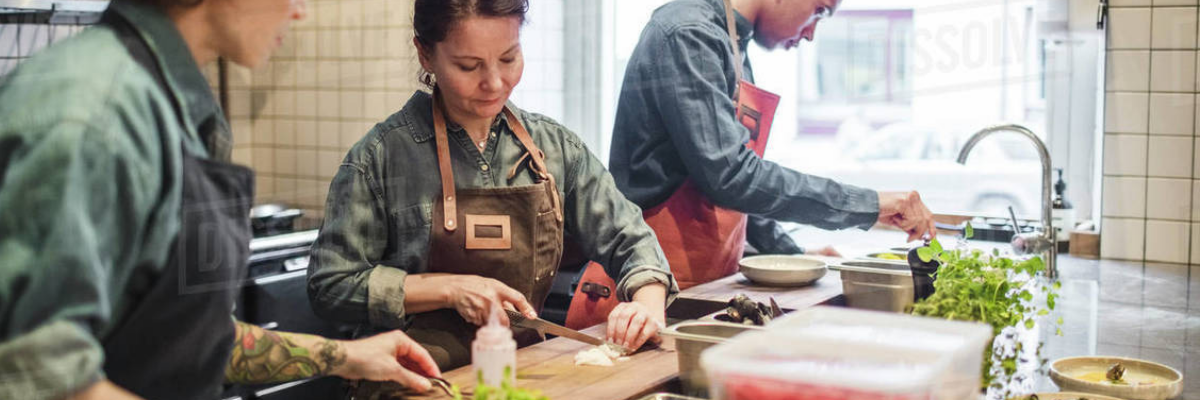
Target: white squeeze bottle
x: 494, y: 352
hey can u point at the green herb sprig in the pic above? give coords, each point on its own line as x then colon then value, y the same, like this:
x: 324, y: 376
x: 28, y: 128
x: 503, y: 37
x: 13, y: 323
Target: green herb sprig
x: 999, y: 291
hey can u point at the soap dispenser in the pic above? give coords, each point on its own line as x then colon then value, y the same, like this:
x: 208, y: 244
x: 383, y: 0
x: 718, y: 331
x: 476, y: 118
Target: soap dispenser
x: 1062, y: 214
x: 494, y: 352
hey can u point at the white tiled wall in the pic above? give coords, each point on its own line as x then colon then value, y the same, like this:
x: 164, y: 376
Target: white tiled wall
x: 346, y: 68
x: 1151, y: 176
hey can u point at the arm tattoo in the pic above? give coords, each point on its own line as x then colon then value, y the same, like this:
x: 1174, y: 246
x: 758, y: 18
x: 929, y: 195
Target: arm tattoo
x: 262, y: 356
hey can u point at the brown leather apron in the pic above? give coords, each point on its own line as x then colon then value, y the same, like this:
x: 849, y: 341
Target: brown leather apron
x: 511, y: 234
x: 702, y: 241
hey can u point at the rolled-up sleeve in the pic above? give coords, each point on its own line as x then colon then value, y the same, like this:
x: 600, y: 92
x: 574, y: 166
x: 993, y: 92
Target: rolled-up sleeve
x: 768, y: 237
x: 77, y: 201
x: 345, y: 281
x: 698, y: 115
x: 610, y: 229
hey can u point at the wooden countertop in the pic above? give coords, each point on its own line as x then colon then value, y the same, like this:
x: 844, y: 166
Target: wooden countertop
x: 550, y: 368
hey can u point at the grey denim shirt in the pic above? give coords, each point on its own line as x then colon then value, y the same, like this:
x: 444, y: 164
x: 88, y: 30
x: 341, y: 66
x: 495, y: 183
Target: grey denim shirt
x: 675, y: 121
x: 380, y: 205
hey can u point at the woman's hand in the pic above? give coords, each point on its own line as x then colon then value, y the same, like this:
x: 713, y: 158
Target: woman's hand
x: 905, y: 210
x: 474, y: 296
x: 390, y: 356
x: 634, y: 323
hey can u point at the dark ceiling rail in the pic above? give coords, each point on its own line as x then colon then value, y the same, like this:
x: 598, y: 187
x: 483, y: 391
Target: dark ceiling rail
x: 51, y: 12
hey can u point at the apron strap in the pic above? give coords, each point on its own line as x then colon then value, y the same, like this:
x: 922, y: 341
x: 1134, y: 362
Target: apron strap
x: 449, y: 199
x: 731, y: 26
x: 537, y: 158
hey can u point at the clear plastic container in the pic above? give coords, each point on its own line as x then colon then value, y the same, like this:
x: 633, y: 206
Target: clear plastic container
x: 778, y: 365
x: 961, y: 344
x: 494, y: 352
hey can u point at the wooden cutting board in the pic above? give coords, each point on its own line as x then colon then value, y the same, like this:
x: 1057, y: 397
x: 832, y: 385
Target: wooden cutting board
x: 550, y: 368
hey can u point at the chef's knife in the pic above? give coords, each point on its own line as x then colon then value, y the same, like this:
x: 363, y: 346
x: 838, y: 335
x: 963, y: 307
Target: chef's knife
x: 545, y: 327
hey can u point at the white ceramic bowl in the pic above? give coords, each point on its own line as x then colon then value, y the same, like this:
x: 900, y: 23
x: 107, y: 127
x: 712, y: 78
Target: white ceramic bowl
x: 782, y: 270
x: 1064, y: 371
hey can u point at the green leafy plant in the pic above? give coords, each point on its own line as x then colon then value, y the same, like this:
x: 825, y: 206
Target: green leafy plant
x: 999, y: 291
x: 506, y: 391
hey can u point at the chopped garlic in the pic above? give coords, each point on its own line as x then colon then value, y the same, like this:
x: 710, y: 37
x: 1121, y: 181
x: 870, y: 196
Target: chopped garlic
x: 593, y: 356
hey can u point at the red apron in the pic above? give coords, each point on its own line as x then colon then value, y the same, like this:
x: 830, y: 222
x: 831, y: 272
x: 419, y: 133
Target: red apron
x: 702, y: 241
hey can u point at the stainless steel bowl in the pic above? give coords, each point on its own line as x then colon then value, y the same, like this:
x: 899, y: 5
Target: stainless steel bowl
x: 693, y: 337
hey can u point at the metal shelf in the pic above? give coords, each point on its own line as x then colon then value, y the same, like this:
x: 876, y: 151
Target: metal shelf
x: 52, y: 12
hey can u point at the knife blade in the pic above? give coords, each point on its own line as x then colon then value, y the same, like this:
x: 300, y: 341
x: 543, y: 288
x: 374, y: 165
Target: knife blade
x: 545, y: 327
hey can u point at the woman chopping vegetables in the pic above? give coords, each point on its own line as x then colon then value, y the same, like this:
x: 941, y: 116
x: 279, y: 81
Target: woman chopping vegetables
x: 460, y: 201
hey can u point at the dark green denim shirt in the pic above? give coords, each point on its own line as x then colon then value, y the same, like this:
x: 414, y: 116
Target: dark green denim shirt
x: 378, y: 214
x: 90, y: 191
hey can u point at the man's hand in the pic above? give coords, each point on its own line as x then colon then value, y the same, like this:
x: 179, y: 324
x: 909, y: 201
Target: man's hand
x: 632, y: 324
x: 905, y: 210
x: 390, y: 356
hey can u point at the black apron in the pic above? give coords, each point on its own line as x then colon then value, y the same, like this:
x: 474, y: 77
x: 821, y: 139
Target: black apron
x: 177, y: 338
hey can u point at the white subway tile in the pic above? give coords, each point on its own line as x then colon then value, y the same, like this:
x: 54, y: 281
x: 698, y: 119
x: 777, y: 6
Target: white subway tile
x: 349, y: 134
x: 1172, y: 113
x: 324, y: 12
x: 264, y: 132
x: 328, y: 43
x: 375, y: 74
x: 328, y: 74
x: 306, y: 134
x: 351, y: 74
x: 1173, y: 71
x: 1128, y: 71
x: 285, y: 161
x: 264, y: 159
x: 352, y: 104
x: 306, y: 103
x: 306, y: 163
x: 1125, y: 155
x: 1196, y: 200
x: 375, y: 106
x: 1164, y: 3
x: 1195, y: 243
x: 328, y: 104
x: 1127, y: 112
x: 351, y: 13
x: 1167, y: 241
x: 1124, y: 197
x: 373, y: 43
x: 306, y: 44
x: 350, y: 42
x: 1174, y: 28
x: 328, y: 135
x: 264, y: 188
x: 1129, y: 28
x: 1122, y: 239
x: 1170, y: 156
x: 1169, y: 199
x: 285, y: 132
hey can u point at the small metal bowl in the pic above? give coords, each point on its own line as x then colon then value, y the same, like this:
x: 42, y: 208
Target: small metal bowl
x: 776, y: 270
x: 1065, y: 371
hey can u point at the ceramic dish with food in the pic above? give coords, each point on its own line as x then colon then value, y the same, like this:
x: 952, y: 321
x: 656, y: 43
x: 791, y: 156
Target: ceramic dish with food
x: 785, y: 270
x: 1125, y: 378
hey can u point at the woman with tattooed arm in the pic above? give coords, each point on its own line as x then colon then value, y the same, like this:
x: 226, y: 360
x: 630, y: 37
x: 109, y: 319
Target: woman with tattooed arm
x: 124, y: 232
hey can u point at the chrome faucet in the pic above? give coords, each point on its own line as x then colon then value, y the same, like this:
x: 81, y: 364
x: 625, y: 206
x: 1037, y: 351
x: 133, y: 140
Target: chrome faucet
x: 1046, y: 242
